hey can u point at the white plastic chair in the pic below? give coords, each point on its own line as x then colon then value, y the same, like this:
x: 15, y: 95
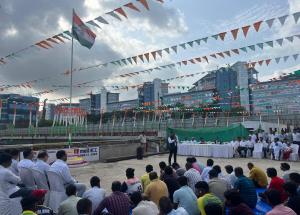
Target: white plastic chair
x: 294, y: 155
x: 258, y: 150
x: 42, y: 183
x: 27, y: 178
x: 57, y: 190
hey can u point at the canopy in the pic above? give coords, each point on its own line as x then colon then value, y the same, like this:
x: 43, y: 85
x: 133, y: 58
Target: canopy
x: 223, y: 134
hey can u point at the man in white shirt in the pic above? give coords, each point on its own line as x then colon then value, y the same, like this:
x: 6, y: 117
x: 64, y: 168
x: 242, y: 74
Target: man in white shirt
x: 8, y: 180
x: 14, y: 165
x: 276, y: 149
x: 61, y: 168
x: 41, y: 162
x: 96, y: 194
x: 142, y: 207
x: 143, y: 141
x: 242, y: 149
x: 204, y: 174
x: 68, y: 207
x: 250, y: 144
x: 192, y: 175
x: 230, y: 178
x: 27, y: 161
x: 296, y: 138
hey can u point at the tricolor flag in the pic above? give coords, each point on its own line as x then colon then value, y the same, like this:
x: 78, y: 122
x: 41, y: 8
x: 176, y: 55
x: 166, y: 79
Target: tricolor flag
x: 82, y: 33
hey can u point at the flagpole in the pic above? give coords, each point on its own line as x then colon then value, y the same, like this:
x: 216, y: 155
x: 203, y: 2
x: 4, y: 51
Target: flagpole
x: 71, y: 79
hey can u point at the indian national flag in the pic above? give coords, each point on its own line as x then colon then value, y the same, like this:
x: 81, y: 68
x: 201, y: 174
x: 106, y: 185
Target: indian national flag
x: 82, y: 33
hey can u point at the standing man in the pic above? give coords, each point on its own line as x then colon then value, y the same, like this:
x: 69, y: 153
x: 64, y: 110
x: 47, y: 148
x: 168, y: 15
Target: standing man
x: 172, y: 145
x: 143, y: 141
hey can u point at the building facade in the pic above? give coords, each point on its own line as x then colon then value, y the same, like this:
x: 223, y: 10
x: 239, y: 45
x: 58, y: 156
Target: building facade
x: 85, y: 104
x: 50, y: 109
x: 123, y: 105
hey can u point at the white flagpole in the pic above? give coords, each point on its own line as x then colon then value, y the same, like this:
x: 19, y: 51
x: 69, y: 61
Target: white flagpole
x: 30, y: 116
x: 71, y: 74
x: 15, y: 113
x: 0, y: 107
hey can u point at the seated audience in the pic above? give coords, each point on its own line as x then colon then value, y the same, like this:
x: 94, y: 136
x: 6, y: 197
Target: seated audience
x: 156, y: 189
x: 185, y: 197
x: 196, y: 165
x: 61, y: 168
x: 132, y: 184
x: 230, y: 177
x: 171, y: 182
x: 41, y: 162
x: 250, y: 144
x: 213, y: 209
x: 117, y: 203
x: 218, y: 169
x: 162, y: 166
x: 142, y: 207
x: 68, y: 207
x: 295, y: 177
x: 27, y: 161
x: 179, y: 171
x: 246, y: 188
x: 286, y: 150
x: 285, y: 167
x: 276, y: 183
x: 274, y: 199
x: 216, y: 185
x: 204, y: 174
x: 258, y: 176
x: 294, y: 199
x: 41, y: 209
x: 235, y: 204
x: 84, y: 207
x: 192, y: 175
x: 242, y: 148
x: 205, y: 197
x: 14, y: 165
x: 145, y: 178
x: 29, y: 205
x: 166, y: 208
x: 96, y: 194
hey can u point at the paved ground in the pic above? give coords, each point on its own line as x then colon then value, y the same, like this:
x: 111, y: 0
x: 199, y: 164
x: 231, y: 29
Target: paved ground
x: 109, y: 172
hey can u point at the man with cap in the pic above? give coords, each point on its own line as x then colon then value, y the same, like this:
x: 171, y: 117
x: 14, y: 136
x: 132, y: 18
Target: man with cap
x: 132, y: 184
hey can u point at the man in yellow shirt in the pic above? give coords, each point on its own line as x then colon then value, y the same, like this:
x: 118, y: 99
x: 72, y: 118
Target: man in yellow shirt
x: 156, y: 189
x: 145, y: 180
x: 258, y: 176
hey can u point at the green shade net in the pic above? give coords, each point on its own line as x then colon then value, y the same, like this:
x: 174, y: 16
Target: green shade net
x: 297, y: 72
x: 223, y: 134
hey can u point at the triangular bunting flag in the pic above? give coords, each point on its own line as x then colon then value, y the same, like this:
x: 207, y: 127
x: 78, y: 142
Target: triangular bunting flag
x: 184, y: 62
x: 63, y: 36
x: 154, y: 55
x: 183, y: 45
x: 118, y: 62
x: 257, y: 26
x: 213, y: 55
x: 191, y: 43
x: 134, y: 59
x: 198, y: 42
x: 132, y: 6
x: 205, y: 58
x: 222, y: 35
x: 121, y: 11
x: 270, y: 22
x: 280, y: 41
x: 198, y: 59
x: 129, y: 60
x: 245, y: 30
x: 252, y: 47
x: 46, y: 43
x: 285, y: 58
x: 159, y: 52
x: 91, y: 22
x: 102, y: 20
x: 52, y: 40
x: 58, y: 38
x: 235, y: 51
x: 215, y: 36
x: 205, y: 39
x: 290, y: 39
x: 179, y: 63
x: 268, y: 61
x: 114, y: 63
x: 221, y: 54
x: 277, y: 60
x: 260, y: 62
x: 124, y: 61
x: 141, y: 57
x: 192, y: 61
x: 234, y: 33
x: 244, y: 49
x: 161, y: 1
x: 295, y: 56
x: 270, y: 43
x: 296, y: 16
x: 144, y: 2
x: 68, y: 33
x: 113, y: 14
x: 227, y: 53
x: 167, y: 50
x: 147, y: 56
x: 282, y: 19
x: 260, y: 45
x: 174, y: 48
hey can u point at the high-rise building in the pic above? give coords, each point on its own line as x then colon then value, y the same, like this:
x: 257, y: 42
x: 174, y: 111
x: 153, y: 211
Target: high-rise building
x: 85, y: 104
x: 50, y: 109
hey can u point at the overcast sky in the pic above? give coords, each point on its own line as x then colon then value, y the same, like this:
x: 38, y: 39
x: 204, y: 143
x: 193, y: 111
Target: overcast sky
x: 26, y: 22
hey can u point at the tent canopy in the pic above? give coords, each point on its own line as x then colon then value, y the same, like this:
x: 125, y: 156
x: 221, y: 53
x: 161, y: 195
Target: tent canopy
x: 223, y: 134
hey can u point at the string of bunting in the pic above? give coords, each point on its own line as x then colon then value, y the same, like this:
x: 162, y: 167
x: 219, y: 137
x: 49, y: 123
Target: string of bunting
x: 65, y: 36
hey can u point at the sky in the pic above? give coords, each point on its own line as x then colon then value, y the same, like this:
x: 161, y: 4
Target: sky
x: 176, y: 21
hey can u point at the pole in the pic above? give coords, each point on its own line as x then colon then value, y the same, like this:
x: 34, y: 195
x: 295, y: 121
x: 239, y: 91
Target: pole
x: 71, y: 81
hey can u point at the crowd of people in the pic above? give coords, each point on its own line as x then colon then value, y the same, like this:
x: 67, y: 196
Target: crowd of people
x: 194, y: 189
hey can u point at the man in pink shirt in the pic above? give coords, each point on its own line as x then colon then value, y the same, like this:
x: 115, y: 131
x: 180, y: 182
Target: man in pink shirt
x: 274, y: 199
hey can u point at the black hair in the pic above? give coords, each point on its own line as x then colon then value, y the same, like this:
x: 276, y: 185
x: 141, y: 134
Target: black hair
x: 42, y: 154
x: 165, y: 205
x: 153, y: 176
x: 202, y: 185
x: 182, y: 181
x: 60, y: 154
x: 238, y: 171
x: 14, y: 152
x: 250, y: 164
x: 95, y: 181
x: 290, y: 187
x: 213, y: 173
x: 84, y: 206
x: 229, y: 169
x: 116, y: 186
x: 168, y: 170
x: 149, y: 168
x: 71, y: 190
x: 271, y: 172
x: 4, y: 158
x: 273, y: 196
x: 189, y: 160
x: 285, y: 166
x: 295, y: 177
x: 136, y: 197
x: 233, y: 196
x: 188, y: 165
x: 217, y: 168
x: 210, y: 162
x: 27, y: 152
x: 175, y: 165
x: 162, y: 165
x: 213, y: 209
x: 130, y: 173
x: 29, y: 203
x: 193, y: 159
